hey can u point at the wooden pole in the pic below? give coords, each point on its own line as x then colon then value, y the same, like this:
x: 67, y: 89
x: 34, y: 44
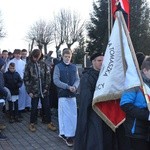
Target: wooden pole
x: 109, y: 18
x: 121, y: 18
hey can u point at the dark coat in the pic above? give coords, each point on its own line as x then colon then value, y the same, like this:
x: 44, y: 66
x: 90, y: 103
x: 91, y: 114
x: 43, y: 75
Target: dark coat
x: 13, y: 82
x: 3, y: 92
x: 89, y: 126
x: 92, y: 133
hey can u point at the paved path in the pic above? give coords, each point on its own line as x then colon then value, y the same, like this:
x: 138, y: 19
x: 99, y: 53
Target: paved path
x: 20, y: 138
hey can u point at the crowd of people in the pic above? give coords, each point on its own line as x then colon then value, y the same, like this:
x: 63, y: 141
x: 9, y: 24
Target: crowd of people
x: 39, y: 81
x: 24, y: 85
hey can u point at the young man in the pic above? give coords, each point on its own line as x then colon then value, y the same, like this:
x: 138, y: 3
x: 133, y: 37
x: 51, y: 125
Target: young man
x: 133, y: 103
x: 37, y: 82
x: 66, y: 79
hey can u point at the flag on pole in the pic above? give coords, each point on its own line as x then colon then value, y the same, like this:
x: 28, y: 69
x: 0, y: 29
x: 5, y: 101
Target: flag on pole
x: 122, y: 5
x: 117, y: 74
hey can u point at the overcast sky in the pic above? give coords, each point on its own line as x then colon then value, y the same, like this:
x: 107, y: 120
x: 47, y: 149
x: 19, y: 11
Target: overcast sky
x: 19, y: 15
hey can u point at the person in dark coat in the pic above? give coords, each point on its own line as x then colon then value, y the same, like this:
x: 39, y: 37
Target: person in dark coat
x: 89, y: 134
x: 3, y: 91
x: 4, y: 94
x: 92, y: 132
x: 13, y: 82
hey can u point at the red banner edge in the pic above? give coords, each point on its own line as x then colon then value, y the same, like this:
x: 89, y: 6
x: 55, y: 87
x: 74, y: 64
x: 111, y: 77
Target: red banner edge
x: 106, y: 119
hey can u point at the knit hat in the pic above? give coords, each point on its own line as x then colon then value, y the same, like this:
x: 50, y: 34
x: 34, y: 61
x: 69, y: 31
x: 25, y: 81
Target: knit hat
x: 2, y: 62
x: 95, y: 55
x: 140, y: 58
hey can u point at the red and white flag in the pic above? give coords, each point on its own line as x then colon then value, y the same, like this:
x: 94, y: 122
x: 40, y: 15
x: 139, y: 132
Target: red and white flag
x: 117, y: 74
x: 125, y: 5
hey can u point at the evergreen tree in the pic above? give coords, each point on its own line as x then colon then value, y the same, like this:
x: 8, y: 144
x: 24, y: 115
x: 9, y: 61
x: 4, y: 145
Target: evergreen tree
x: 98, y: 27
x: 139, y: 25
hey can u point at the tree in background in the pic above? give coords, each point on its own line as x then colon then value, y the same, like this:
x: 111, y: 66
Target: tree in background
x: 68, y: 27
x: 59, y: 30
x: 42, y: 33
x: 140, y: 25
x: 78, y: 54
x: 98, y: 27
x: 74, y: 28
x: 2, y: 32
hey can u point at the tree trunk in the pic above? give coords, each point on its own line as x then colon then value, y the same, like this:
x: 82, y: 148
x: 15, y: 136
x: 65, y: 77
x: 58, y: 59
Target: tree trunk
x: 32, y: 44
x: 45, y: 48
x: 40, y: 46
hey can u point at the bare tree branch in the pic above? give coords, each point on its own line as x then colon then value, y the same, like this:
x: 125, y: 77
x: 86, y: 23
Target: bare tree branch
x: 2, y: 32
x: 42, y: 33
x: 68, y: 27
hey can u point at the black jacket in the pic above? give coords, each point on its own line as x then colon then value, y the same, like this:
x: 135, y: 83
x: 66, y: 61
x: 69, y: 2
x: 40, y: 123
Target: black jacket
x: 89, y: 126
x: 3, y: 92
x: 13, y: 82
x: 135, y: 127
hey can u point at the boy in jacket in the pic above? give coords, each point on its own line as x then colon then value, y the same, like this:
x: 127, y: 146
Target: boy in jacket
x: 133, y: 103
x: 13, y: 82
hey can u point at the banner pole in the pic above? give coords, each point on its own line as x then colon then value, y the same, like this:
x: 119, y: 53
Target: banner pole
x: 109, y: 18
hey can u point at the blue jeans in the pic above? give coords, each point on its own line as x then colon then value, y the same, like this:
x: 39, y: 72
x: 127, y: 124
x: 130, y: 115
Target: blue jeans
x: 45, y: 108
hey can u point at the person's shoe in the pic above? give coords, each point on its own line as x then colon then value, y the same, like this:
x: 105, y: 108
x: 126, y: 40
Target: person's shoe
x: 69, y: 142
x: 32, y: 127
x: 63, y: 137
x: 2, y: 126
x: 51, y: 126
x: 2, y: 137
